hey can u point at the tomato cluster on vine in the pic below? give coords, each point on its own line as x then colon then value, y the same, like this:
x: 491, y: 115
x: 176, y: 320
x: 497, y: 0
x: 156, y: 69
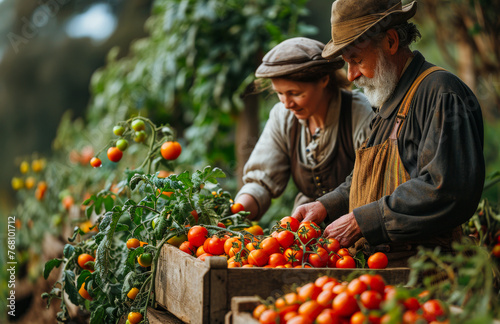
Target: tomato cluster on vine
x: 291, y: 245
x: 364, y: 299
x: 136, y: 130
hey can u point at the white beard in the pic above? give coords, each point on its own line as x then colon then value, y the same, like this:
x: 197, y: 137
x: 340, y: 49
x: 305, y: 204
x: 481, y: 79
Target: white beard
x: 379, y: 88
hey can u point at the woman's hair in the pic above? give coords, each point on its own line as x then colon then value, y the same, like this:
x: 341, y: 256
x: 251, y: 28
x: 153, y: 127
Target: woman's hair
x: 312, y: 74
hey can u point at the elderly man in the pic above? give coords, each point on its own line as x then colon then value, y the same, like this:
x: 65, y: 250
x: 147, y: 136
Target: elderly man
x: 420, y: 174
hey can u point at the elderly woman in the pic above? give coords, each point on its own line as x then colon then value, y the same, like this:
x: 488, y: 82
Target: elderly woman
x: 311, y: 134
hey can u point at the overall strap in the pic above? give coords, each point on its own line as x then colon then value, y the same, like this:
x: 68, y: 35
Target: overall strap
x: 406, y: 103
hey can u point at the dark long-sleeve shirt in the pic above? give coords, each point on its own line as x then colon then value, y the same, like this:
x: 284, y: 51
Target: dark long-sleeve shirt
x: 441, y: 147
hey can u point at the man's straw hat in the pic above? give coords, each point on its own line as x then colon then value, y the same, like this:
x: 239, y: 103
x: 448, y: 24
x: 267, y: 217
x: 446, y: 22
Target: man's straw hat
x: 355, y: 20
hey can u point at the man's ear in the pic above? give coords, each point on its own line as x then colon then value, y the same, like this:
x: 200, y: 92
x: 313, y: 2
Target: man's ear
x: 392, y: 41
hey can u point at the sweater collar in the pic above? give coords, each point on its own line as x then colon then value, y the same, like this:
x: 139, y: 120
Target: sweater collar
x: 404, y: 84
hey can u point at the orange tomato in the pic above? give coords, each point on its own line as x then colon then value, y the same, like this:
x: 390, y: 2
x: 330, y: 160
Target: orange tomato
x: 84, y: 293
x: 377, y: 261
x: 114, y: 154
x: 258, y: 258
x: 237, y: 207
x: 95, y: 162
x: 83, y: 259
x: 133, y: 293
x: 134, y: 317
x: 170, y: 150
x: 255, y: 230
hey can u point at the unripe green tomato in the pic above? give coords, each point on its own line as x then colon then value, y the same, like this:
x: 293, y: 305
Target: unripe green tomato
x: 140, y: 136
x: 118, y: 130
x: 122, y: 144
x: 138, y: 125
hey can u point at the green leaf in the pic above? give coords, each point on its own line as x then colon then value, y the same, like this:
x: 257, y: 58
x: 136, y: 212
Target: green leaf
x: 136, y: 179
x: 49, y: 265
x: 121, y: 228
x: 82, y: 277
x: 69, y: 286
x: 185, y: 179
x: 68, y: 251
x: 108, y: 203
x: 97, y: 316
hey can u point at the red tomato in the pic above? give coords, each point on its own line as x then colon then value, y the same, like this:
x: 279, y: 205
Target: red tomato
x: 310, y: 309
x: 411, y: 303
x: 321, y: 281
x: 215, y: 245
x: 371, y: 299
x: 306, y: 233
x: 496, y: 250
x: 374, y: 282
x: 299, y: 319
x: 276, y: 259
x: 114, y: 154
x: 197, y: 235
x: 346, y: 262
x: 294, y: 223
x: 356, y: 287
x: 285, y: 238
x: 95, y: 162
x: 187, y: 247
x: 332, y: 260
x: 293, y: 256
x: 258, y: 258
x: 331, y: 245
x: 204, y: 255
x: 309, y: 291
x: 433, y: 309
x: 269, y: 316
x: 319, y: 259
x: 345, y: 304
x: 410, y: 317
x: 328, y: 316
x: 377, y: 261
x: 270, y: 245
x: 325, y: 298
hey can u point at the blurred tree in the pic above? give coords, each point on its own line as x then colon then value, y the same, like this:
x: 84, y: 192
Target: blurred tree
x: 468, y: 35
x: 44, y: 71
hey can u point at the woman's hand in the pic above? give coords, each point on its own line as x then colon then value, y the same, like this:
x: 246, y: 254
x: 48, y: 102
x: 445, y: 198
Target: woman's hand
x: 344, y: 229
x: 311, y: 212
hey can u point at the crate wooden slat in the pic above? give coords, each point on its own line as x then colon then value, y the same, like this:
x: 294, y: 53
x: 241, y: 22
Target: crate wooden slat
x: 201, y: 292
x: 241, y: 310
x: 156, y: 316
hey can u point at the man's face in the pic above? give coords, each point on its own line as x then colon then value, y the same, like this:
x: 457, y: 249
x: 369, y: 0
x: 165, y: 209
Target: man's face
x: 370, y: 68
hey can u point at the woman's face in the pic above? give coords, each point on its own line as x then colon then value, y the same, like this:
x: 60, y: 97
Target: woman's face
x: 302, y: 98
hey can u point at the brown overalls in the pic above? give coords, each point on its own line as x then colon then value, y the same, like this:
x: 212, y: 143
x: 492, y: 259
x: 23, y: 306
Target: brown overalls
x: 378, y: 171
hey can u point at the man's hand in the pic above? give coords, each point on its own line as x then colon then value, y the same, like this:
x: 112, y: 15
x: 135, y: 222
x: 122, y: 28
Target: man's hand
x: 311, y: 212
x: 345, y: 229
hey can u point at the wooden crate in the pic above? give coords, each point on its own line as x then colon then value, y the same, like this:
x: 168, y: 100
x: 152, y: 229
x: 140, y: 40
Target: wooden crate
x: 201, y: 292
